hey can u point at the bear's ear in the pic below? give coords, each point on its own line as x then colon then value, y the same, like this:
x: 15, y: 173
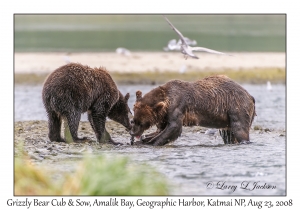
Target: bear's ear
x: 138, y: 95
x: 127, y: 97
x: 161, y: 107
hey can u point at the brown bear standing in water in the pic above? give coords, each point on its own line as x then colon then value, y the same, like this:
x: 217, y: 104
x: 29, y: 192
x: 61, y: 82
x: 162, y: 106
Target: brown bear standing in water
x: 215, y: 102
x: 73, y: 89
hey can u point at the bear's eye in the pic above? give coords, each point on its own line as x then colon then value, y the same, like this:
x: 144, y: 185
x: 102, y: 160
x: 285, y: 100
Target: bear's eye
x: 136, y: 122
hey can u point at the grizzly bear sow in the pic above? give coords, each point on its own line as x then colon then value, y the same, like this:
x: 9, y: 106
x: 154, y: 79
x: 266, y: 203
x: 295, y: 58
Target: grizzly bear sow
x: 73, y: 89
x: 215, y: 102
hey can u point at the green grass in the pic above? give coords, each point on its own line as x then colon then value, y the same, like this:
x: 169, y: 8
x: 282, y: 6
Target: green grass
x: 252, y: 76
x: 30, y: 78
x: 74, y: 33
x: 94, y: 176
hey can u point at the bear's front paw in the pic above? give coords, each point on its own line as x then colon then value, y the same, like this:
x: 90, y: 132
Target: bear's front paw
x: 110, y: 141
x: 82, y: 139
x: 60, y: 140
x: 147, y: 140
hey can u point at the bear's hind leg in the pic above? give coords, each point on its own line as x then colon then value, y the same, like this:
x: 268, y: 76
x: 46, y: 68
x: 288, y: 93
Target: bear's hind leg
x: 240, y: 132
x: 54, y: 125
x: 227, y: 136
x: 223, y: 135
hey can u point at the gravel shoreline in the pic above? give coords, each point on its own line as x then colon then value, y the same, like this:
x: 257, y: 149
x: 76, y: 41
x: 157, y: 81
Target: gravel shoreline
x: 32, y: 136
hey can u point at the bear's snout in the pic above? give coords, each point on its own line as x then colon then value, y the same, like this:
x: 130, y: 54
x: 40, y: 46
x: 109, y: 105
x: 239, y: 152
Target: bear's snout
x: 129, y: 127
x: 135, y: 130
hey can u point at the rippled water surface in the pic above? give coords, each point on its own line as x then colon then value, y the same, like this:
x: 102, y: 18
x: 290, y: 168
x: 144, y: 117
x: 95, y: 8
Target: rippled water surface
x: 198, y: 164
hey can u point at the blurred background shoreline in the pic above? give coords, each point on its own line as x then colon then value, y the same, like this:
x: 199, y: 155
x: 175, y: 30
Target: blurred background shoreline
x: 46, y: 42
x: 157, y: 67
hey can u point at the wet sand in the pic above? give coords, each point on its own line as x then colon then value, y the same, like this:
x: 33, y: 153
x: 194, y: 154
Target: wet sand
x: 147, y: 61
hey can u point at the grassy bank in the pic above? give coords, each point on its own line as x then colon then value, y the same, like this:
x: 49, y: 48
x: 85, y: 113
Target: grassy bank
x: 251, y: 76
x: 93, y: 176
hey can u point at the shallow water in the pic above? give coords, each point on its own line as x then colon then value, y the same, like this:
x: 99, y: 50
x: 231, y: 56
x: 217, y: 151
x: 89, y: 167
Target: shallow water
x: 270, y: 105
x: 199, y: 164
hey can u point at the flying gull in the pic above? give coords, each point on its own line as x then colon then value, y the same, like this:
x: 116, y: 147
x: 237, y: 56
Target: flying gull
x: 174, y: 45
x: 186, y: 49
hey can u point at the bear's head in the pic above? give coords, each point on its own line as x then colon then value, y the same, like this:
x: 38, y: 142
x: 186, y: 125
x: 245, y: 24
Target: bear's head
x: 120, y: 111
x: 148, y: 111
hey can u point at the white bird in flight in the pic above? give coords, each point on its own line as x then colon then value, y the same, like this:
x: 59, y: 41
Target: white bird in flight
x: 186, y: 49
x: 174, y: 45
x: 188, y: 41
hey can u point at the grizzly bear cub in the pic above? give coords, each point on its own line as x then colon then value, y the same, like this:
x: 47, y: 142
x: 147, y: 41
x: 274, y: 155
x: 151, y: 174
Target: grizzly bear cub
x: 73, y: 89
x: 215, y: 102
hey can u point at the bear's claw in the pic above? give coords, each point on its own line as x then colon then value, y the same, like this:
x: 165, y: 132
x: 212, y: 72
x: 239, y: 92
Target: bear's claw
x: 131, y: 140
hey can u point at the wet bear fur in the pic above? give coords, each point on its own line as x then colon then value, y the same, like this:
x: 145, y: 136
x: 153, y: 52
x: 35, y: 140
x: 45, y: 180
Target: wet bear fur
x: 73, y: 89
x: 214, y: 102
